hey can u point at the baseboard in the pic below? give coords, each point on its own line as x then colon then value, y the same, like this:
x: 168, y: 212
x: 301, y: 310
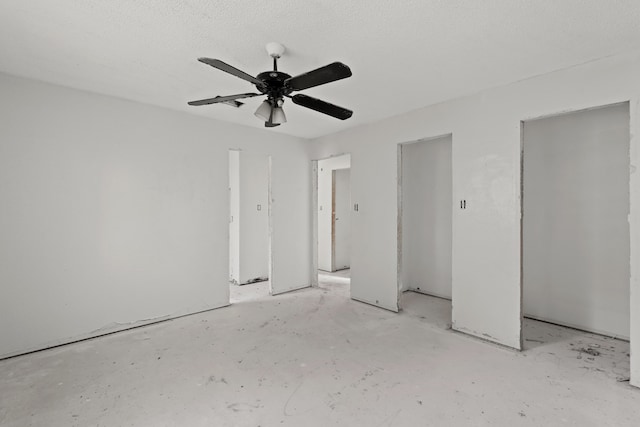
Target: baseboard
x: 291, y: 290
x: 577, y: 327
x: 484, y: 338
x: 378, y: 305
x: 109, y: 330
x: 429, y: 294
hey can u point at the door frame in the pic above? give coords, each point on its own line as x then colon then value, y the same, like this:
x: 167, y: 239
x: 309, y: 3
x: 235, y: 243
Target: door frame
x: 333, y: 220
x: 314, y: 216
x: 333, y: 217
x: 268, y: 159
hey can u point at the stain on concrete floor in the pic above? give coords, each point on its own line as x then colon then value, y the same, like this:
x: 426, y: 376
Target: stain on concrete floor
x: 267, y: 361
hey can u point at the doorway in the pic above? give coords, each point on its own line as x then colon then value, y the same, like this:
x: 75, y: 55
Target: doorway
x: 249, y: 219
x: 425, y: 229
x: 333, y: 223
x: 575, y: 234
x: 340, y: 224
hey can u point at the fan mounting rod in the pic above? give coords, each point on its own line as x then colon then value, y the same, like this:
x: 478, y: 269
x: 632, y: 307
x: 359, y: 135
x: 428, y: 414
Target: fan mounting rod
x: 275, y: 50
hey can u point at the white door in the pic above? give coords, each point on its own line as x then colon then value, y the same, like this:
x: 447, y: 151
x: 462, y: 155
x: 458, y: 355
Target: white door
x: 234, y: 216
x: 254, y: 217
x: 341, y: 219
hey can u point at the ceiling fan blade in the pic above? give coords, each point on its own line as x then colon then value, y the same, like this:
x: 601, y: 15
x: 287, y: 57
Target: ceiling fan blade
x: 235, y: 104
x: 322, y: 106
x: 327, y: 74
x: 216, y: 63
x: 219, y: 99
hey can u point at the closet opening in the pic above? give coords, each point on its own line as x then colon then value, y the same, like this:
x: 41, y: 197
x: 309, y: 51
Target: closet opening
x: 575, y: 236
x: 425, y: 229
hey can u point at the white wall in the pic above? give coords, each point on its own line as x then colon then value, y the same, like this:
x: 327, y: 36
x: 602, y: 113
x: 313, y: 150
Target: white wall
x: 575, y: 226
x: 114, y: 213
x: 234, y: 216
x: 325, y: 169
x: 486, y: 172
x: 254, y: 223
x: 426, y: 216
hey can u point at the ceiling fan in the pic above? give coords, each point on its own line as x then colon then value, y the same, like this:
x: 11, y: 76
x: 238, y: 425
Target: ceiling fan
x: 277, y: 85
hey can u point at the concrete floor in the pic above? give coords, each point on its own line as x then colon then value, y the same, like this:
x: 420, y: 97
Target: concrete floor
x: 316, y: 358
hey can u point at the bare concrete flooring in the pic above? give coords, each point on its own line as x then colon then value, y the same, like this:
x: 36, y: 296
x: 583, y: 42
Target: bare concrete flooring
x: 316, y: 358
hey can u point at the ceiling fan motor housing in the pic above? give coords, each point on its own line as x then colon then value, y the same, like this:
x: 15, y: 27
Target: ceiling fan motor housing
x: 274, y: 84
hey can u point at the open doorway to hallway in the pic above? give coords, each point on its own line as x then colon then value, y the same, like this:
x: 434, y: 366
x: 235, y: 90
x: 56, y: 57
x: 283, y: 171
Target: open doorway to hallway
x: 425, y: 229
x: 333, y: 192
x: 249, y: 219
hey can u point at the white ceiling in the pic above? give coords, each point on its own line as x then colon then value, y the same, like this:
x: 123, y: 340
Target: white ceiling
x: 404, y: 54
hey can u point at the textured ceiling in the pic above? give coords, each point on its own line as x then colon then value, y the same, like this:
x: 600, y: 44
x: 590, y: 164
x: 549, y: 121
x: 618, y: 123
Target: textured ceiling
x: 404, y: 54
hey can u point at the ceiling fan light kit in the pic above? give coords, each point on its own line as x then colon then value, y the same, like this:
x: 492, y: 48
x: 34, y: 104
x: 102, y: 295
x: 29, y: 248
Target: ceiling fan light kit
x: 264, y: 111
x: 278, y: 117
x: 277, y: 85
